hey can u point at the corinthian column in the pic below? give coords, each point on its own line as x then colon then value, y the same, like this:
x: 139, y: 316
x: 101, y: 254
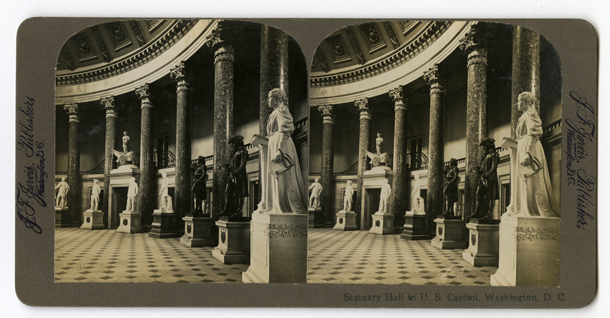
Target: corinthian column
x: 224, y: 63
x: 328, y: 128
x: 474, y: 44
x: 526, y: 69
x: 146, y: 191
x: 436, y: 151
x: 74, y: 164
x: 400, y: 181
x: 274, y: 69
x: 108, y: 105
x: 363, y: 145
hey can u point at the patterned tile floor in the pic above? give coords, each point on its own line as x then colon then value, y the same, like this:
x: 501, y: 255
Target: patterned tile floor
x: 107, y: 256
x: 357, y: 257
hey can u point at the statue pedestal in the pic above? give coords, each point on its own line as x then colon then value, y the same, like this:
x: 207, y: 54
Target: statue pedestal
x: 529, y: 252
x: 449, y: 234
x: 278, y: 248
x: 198, y: 231
x: 314, y: 217
x: 233, y: 242
x: 93, y: 220
x: 484, y: 240
x: 62, y: 217
x: 382, y: 224
x: 130, y: 222
x: 346, y: 221
x: 163, y: 224
x: 415, y: 227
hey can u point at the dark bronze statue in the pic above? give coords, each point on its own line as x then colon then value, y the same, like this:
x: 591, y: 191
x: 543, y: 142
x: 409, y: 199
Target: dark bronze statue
x: 237, y: 183
x: 487, y: 189
x: 200, y: 178
x: 451, y: 187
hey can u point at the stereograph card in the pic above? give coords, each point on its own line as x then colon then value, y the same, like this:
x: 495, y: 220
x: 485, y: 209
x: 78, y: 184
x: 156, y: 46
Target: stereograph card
x: 306, y: 163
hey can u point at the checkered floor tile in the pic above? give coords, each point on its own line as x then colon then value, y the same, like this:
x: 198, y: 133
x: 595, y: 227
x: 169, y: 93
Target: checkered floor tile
x: 107, y: 256
x: 357, y: 257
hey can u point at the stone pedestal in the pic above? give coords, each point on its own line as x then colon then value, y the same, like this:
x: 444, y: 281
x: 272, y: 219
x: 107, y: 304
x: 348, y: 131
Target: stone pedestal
x: 382, y: 224
x: 316, y: 218
x: 233, y: 242
x: 278, y: 248
x: 449, y: 234
x: 93, y: 220
x: 198, y: 231
x: 163, y: 224
x: 484, y: 240
x: 130, y: 222
x: 415, y: 227
x: 529, y: 252
x: 62, y: 217
x: 346, y: 221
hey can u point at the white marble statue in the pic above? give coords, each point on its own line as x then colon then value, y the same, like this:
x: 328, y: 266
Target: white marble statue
x: 384, y: 197
x: 379, y: 144
x: 417, y: 202
x: 379, y: 158
x: 165, y: 203
x: 347, y: 199
x: 132, y: 191
x: 95, y: 195
x: 316, y: 190
x: 283, y: 188
x: 61, y: 199
x: 125, y: 142
x: 533, y: 190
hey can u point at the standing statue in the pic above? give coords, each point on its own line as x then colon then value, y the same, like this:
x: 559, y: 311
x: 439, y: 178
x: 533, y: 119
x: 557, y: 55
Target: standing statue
x: 95, y: 195
x: 200, y: 178
x: 533, y: 190
x: 452, y: 179
x: 487, y: 189
x: 384, y: 197
x: 165, y: 203
x: 379, y: 158
x: 237, y: 183
x: 417, y: 202
x: 316, y: 190
x: 347, y: 198
x: 379, y: 144
x: 125, y: 142
x: 63, y: 187
x: 283, y: 187
x: 132, y: 191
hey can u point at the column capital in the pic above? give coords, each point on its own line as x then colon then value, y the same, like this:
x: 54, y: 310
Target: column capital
x: 434, y: 78
x: 108, y: 105
x: 476, y: 41
x: 327, y: 114
x: 400, y: 95
x: 72, y: 110
x: 144, y: 94
x: 220, y: 40
x: 363, y: 107
x: 178, y: 73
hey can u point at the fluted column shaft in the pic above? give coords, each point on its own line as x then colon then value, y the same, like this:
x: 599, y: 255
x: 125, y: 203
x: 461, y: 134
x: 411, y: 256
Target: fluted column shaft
x: 363, y: 145
x: 328, y: 128
x: 526, y: 69
x: 400, y: 181
x: 436, y: 147
x: 108, y: 104
x: 146, y: 192
x: 74, y: 164
x: 274, y: 69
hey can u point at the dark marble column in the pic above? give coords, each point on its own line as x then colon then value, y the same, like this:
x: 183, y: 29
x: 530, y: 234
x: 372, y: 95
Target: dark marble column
x: 474, y: 44
x: 526, y: 69
x: 274, y: 69
x: 401, y: 179
x: 436, y: 150
x: 74, y: 180
x: 328, y: 155
x: 182, y: 193
x: 363, y: 145
x: 146, y: 192
x: 108, y: 105
x: 224, y: 63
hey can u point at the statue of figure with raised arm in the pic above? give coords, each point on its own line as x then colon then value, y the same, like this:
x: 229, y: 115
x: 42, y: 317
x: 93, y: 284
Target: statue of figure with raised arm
x: 63, y: 187
x: 95, y: 195
x: 347, y: 198
x: 384, y: 197
x: 316, y: 190
x: 132, y: 192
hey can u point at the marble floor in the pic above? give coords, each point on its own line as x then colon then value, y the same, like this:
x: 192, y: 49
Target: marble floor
x: 105, y: 256
x: 357, y: 257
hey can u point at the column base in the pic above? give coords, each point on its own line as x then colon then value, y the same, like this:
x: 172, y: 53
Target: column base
x: 163, y: 224
x: 93, y: 220
x: 449, y: 234
x: 415, y: 227
x: 483, y: 245
x: 130, y: 222
x: 346, y: 221
x: 278, y: 249
x: 529, y: 252
x: 382, y: 224
x: 62, y: 217
x: 198, y: 231
x: 233, y: 242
